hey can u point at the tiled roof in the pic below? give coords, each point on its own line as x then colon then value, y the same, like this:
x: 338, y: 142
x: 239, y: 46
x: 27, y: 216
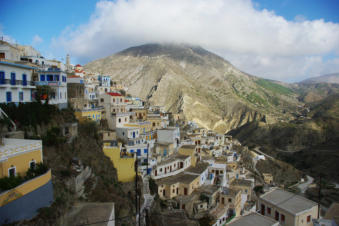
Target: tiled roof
x: 114, y: 94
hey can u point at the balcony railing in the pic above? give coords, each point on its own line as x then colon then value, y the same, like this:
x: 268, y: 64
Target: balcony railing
x: 16, y: 82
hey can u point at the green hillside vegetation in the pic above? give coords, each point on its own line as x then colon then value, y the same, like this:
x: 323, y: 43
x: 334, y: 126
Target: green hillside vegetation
x: 310, y: 144
x: 274, y: 87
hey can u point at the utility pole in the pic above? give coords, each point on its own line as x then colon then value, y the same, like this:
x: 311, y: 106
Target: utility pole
x: 319, y: 196
x: 136, y: 186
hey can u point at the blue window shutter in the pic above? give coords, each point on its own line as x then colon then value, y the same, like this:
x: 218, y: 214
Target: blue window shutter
x: 2, y: 77
x: 138, y: 152
x: 42, y: 77
x: 24, y: 79
x: 145, y: 151
x: 12, y: 78
x: 9, y: 96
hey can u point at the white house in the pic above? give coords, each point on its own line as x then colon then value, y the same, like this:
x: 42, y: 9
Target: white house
x: 15, y: 83
x: 169, y: 135
x: 127, y: 133
x: 57, y: 80
x: 171, y: 166
x: 9, y: 51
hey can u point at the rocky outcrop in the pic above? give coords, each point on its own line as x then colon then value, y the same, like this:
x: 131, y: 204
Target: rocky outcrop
x: 204, y: 87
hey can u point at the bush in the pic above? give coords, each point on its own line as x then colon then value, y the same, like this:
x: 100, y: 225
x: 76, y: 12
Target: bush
x: 8, y: 183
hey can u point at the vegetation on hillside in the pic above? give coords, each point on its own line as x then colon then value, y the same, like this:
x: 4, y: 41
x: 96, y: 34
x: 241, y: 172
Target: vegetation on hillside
x: 310, y: 143
x: 274, y: 87
x: 41, y: 121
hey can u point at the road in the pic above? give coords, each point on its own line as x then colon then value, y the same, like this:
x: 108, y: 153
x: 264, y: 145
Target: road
x: 303, y: 186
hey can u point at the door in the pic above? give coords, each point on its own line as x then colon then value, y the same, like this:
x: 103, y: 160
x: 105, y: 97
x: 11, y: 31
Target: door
x: 262, y: 209
x: 177, y: 190
x: 156, y: 173
x: 170, y: 168
x: 277, y: 215
x: 222, y: 200
x: 163, y: 192
x: 185, y: 191
x: 181, y: 165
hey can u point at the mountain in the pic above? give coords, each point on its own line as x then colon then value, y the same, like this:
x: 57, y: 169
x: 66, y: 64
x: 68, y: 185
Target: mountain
x: 309, y: 143
x: 200, y: 85
x: 330, y: 78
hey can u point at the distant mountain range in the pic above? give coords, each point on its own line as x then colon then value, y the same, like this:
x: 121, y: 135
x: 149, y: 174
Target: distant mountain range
x: 329, y: 78
x: 198, y: 84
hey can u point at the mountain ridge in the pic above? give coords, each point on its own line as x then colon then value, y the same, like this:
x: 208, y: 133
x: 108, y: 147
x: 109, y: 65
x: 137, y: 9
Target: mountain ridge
x: 198, y: 84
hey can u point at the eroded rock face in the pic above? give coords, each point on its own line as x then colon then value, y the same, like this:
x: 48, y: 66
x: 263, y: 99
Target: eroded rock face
x: 205, y: 87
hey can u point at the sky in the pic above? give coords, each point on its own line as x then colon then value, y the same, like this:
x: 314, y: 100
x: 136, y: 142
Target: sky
x: 283, y: 40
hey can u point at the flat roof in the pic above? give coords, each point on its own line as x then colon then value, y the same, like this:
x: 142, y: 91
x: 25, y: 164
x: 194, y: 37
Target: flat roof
x: 172, y: 158
x: 254, y: 219
x: 199, y: 168
x: 179, y: 178
x: 16, y: 65
x: 230, y: 191
x: 13, y: 147
x: 241, y: 182
x: 188, y: 146
x: 288, y: 201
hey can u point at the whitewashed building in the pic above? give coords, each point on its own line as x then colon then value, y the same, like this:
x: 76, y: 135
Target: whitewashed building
x: 57, y: 80
x: 16, y: 84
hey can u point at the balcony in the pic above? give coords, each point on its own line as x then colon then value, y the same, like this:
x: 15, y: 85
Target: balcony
x: 6, y: 82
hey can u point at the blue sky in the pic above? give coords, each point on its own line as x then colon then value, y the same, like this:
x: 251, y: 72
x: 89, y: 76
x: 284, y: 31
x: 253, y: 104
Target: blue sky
x: 53, y: 26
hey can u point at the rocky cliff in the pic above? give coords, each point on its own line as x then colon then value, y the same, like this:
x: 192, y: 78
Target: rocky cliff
x: 202, y: 86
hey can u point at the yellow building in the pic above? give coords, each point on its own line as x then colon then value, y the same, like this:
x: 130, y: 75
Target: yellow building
x: 18, y: 155
x: 144, y: 127
x: 181, y: 184
x: 90, y: 114
x: 287, y: 208
x: 268, y: 178
x: 123, y: 163
x: 189, y: 150
x: 232, y: 198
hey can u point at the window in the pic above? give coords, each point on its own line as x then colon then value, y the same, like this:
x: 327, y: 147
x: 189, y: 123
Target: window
x: 57, y: 77
x: 282, y: 218
x: 24, y: 79
x: 2, y: 77
x: 50, y: 78
x: 269, y: 210
x: 42, y: 77
x: 229, y: 200
x: 102, y: 100
x: 119, y: 120
x: 308, y: 218
x: 12, y: 171
x: 32, y: 164
x: 9, y: 97
x: 21, y: 96
x: 276, y: 215
x: 12, y: 78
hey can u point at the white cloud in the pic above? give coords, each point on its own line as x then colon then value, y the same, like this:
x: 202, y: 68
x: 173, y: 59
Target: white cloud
x: 257, y: 41
x: 36, y: 40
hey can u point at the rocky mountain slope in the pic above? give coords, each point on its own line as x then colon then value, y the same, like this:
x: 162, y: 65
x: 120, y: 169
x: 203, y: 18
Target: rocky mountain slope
x: 202, y: 86
x: 330, y: 78
x: 309, y: 143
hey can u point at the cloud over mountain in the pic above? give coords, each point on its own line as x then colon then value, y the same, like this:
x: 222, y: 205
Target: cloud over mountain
x: 257, y: 41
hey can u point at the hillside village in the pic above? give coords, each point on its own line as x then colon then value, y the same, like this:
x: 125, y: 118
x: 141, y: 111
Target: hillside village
x: 183, y: 174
